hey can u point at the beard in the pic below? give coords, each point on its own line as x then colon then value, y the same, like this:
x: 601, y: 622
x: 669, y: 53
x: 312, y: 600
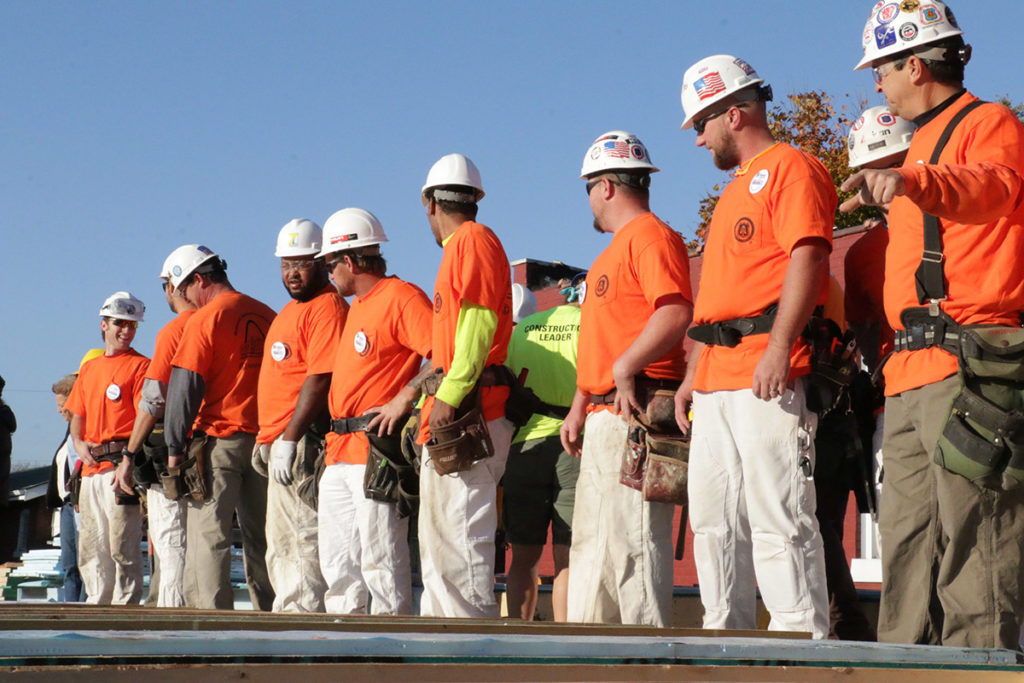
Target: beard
x: 726, y: 157
x: 307, y: 291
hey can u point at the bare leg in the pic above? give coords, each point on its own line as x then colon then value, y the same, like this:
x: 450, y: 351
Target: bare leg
x: 521, y: 589
x: 560, y: 589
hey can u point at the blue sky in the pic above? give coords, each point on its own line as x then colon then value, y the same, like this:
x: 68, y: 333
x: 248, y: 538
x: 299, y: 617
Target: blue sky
x: 129, y: 128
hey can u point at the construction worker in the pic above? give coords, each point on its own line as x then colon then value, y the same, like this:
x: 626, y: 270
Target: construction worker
x: 147, y: 452
x: 212, y: 393
x: 635, y: 309
x: 294, y: 380
x: 364, y: 528
x: 952, y: 509
x: 752, y: 449
x: 471, y: 325
x: 102, y: 405
x: 539, y: 486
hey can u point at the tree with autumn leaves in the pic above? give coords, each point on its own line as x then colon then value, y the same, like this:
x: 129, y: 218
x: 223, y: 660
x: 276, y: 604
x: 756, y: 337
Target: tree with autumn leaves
x: 811, y: 122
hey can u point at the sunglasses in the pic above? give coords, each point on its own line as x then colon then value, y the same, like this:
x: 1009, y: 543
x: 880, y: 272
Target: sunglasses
x: 879, y: 74
x: 594, y: 183
x: 130, y: 324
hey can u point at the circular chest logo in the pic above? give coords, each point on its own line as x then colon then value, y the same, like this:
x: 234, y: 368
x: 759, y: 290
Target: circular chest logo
x: 279, y: 351
x: 743, y: 230
x: 113, y: 392
x: 361, y: 343
x: 759, y: 180
x: 583, y: 292
x: 602, y: 286
x: 437, y: 302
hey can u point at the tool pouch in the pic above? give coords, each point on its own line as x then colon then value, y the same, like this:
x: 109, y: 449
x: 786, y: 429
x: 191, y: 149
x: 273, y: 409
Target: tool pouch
x: 665, y: 471
x: 170, y: 481
x: 151, y: 461
x: 74, y: 486
x: 380, y: 482
x: 308, y: 488
x: 983, y: 438
x: 631, y: 471
x: 194, y: 474
x: 126, y: 498
x: 412, y: 451
x: 457, y: 445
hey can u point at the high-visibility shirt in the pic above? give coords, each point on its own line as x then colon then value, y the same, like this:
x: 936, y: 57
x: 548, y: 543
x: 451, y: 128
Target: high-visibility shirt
x: 302, y: 341
x: 386, y: 337
x: 167, y: 340
x: 777, y: 199
x: 865, y: 271
x: 223, y: 343
x: 977, y: 190
x: 645, y: 262
x: 105, y: 396
x: 474, y: 269
x: 545, y: 344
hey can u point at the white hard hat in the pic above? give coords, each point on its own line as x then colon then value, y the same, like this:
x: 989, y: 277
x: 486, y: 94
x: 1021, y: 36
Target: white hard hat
x: 186, y: 260
x: 351, y: 229
x: 123, y: 306
x: 877, y: 134
x: 616, y: 150
x: 895, y: 27
x: 455, y: 169
x: 524, y: 302
x: 713, y: 79
x: 299, y: 237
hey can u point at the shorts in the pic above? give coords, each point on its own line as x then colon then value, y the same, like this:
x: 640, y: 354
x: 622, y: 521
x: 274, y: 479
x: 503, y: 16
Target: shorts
x: 539, y: 488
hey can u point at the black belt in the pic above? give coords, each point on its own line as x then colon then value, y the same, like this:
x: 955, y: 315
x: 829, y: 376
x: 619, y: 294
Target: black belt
x: 492, y: 376
x: 347, y: 425
x: 730, y: 332
x: 643, y: 384
x: 923, y: 330
x: 109, y: 451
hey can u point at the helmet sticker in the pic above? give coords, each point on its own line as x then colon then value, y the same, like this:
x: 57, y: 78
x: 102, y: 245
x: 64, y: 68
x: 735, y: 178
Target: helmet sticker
x: 909, y: 6
x: 709, y: 85
x: 886, y: 119
x: 747, y: 69
x: 758, y: 182
x: 885, y: 36
x: 637, y: 151
x: 930, y: 15
x: 616, y: 149
x: 176, y: 271
x: 908, y: 31
x: 877, y: 145
x: 859, y: 124
x: 887, y: 13
x: 595, y: 152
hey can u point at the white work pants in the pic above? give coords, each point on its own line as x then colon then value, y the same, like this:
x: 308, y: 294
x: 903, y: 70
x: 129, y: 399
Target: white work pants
x: 621, y: 555
x: 167, y: 520
x: 293, y: 562
x: 109, y: 544
x: 752, y: 505
x: 458, y: 520
x: 363, y: 547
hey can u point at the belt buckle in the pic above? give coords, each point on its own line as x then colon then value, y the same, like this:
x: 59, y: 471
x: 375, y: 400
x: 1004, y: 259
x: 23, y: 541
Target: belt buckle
x: 916, y: 338
x: 726, y: 335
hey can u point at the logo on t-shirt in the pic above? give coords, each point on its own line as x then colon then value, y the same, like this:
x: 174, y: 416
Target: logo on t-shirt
x: 602, y: 286
x: 361, y: 343
x: 279, y: 351
x: 743, y: 230
x: 113, y: 392
x: 437, y: 302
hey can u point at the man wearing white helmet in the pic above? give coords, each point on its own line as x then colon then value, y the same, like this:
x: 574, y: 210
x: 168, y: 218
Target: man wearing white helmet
x: 635, y: 309
x: 146, y: 457
x: 952, y: 511
x: 752, y: 449
x: 471, y: 325
x: 102, y: 406
x: 368, y: 488
x: 212, y: 394
x: 294, y: 379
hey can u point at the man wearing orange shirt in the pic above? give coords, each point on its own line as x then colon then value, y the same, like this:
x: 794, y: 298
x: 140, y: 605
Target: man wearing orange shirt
x: 166, y: 517
x: 364, y: 541
x: 102, y: 406
x: 636, y: 306
x: 951, y: 532
x: 471, y: 325
x: 752, y: 449
x: 212, y: 393
x: 294, y: 379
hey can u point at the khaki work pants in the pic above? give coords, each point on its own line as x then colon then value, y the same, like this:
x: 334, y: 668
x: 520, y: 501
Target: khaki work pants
x: 109, y: 544
x: 952, y: 552
x: 235, y: 488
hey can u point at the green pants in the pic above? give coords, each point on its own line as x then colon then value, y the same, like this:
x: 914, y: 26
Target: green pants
x: 952, y: 552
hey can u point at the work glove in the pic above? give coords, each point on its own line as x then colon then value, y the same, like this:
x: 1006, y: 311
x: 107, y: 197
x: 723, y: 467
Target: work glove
x: 260, y: 454
x: 282, y: 458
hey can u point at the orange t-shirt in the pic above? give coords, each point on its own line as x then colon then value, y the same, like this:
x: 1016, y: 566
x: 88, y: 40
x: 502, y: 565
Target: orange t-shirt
x: 781, y: 197
x: 223, y: 342
x: 645, y: 261
x: 302, y: 341
x: 105, y: 396
x: 474, y: 268
x: 386, y: 337
x: 167, y: 341
x: 865, y: 271
x: 977, y: 191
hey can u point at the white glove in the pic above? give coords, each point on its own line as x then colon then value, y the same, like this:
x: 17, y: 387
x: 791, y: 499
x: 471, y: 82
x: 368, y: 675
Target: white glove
x: 259, y: 458
x: 282, y: 457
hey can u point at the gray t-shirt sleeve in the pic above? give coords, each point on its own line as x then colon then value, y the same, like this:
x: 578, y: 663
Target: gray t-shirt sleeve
x: 185, y: 392
x: 154, y: 393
